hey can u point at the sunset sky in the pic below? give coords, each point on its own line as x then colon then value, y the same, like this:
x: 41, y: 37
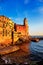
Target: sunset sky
x: 17, y: 10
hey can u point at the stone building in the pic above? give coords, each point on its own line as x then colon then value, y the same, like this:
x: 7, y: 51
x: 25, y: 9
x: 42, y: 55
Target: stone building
x: 9, y: 29
x: 6, y: 26
x: 23, y: 29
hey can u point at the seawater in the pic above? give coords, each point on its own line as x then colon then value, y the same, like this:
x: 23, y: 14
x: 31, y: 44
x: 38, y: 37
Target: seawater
x: 36, y: 49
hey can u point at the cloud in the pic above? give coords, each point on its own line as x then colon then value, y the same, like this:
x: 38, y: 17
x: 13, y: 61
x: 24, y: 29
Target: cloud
x: 40, y: 0
x: 26, y: 1
x: 1, y: 9
x: 25, y: 13
x: 18, y: 20
x: 1, y: 1
x: 40, y: 9
x: 12, y: 18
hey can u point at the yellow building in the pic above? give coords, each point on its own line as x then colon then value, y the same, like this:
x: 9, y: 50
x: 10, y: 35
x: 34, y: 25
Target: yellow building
x: 6, y: 26
x: 9, y: 31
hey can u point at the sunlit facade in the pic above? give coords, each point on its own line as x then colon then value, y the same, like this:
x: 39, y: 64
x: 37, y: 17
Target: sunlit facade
x: 9, y: 30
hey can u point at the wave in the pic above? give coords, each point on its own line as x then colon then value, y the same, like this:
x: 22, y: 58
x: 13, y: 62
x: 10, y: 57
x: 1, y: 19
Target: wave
x: 37, y: 49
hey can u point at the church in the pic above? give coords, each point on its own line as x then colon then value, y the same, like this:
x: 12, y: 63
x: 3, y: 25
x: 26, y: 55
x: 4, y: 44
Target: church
x: 7, y: 26
x: 22, y: 29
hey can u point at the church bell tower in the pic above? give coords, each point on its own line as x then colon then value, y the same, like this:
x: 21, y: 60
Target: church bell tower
x: 27, y: 27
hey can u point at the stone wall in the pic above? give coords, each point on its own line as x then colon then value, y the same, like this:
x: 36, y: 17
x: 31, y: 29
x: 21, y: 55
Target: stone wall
x: 10, y: 32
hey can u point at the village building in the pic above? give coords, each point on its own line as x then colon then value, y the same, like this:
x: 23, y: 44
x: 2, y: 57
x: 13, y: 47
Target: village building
x: 7, y: 27
x: 23, y: 29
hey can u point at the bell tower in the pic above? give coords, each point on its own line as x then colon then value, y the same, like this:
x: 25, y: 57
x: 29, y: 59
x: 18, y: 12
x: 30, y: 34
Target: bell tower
x: 26, y: 25
x: 25, y: 21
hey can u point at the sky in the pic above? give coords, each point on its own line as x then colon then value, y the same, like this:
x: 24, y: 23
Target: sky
x: 17, y: 10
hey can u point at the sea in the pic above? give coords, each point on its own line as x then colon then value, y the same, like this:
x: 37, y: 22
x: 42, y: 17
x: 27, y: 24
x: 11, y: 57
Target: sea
x: 36, y: 55
x: 36, y: 49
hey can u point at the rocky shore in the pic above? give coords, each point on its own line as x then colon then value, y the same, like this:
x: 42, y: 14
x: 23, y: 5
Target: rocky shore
x: 18, y: 53
x: 21, y: 42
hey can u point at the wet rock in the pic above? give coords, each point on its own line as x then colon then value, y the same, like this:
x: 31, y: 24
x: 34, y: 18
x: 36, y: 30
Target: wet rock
x: 25, y: 63
x: 2, y: 61
x: 40, y: 63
